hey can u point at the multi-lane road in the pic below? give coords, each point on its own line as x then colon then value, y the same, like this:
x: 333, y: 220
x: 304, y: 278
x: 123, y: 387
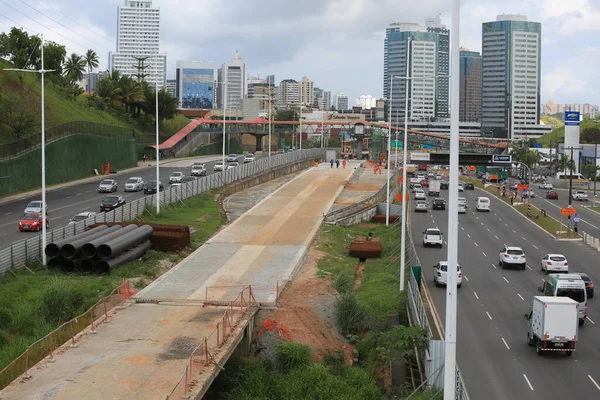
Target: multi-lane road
x: 67, y: 202
x: 492, y: 352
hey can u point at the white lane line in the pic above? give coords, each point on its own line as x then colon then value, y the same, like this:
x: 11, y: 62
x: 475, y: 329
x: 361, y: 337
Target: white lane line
x: 521, y: 297
x: 495, y: 214
x: 589, y: 319
x: 594, y: 382
x: 90, y: 190
x: 535, y: 246
x: 494, y: 266
x: 8, y: 213
x: 467, y: 279
x: 475, y: 243
x: 523, y: 238
x: 506, y: 344
x: 477, y: 297
x: 506, y: 224
x: 488, y: 229
x: 529, y: 267
x: 482, y: 223
x: 514, y: 231
x: 469, y: 235
x: 489, y: 316
x: 68, y: 197
x: 497, y: 238
x: 485, y: 255
x: 446, y: 243
x: 500, y: 218
x: 543, y: 280
x: 462, y: 228
x: 79, y: 194
x: 527, y: 380
x: 505, y: 280
x: 473, y: 213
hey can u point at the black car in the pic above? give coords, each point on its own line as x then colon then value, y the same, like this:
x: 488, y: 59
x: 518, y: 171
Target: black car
x: 438, y: 204
x: 589, y: 285
x: 150, y: 187
x: 469, y: 186
x: 111, y: 202
x: 444, y: 185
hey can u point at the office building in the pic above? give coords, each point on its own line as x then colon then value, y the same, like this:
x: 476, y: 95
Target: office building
x: 195, y: 84
x: 271, y: 80
x: 366, y: 102
x: 307, y: 97
x: 289, y: 92
x: 172, y: 87
x: 470, y: 86
x: 511, y: 68
x: 442, y: 63
x: 138, y: 38
x: 233, y: 74
x: 341, y: 102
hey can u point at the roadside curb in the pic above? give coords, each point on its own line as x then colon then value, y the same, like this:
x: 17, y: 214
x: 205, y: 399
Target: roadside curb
x: 589, y: 208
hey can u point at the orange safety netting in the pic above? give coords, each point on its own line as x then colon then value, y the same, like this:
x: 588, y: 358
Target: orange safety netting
x: 271, y: 325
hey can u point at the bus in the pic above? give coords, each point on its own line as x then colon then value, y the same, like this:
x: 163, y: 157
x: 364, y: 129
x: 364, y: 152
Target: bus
x: 562, y: 175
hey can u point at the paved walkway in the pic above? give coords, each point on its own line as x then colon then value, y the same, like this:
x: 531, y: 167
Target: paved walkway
x: 363, y: 184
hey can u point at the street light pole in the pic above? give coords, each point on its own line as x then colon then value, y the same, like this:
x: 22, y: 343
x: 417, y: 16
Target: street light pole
x: 389, y: 151
x: 404, y: 177
x: 270, y: 118
x: 42, y: 72
x: 322, y: 128
x: 223, y: 83
x: 157, y: 141
x: 300, y: 118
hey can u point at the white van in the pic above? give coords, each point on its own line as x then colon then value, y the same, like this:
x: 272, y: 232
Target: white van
x: 482, y: 204
x: 567, y: 285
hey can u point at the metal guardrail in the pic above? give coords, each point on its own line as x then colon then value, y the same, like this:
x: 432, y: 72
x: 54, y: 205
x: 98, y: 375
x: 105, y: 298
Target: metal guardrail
x: 23, y: 252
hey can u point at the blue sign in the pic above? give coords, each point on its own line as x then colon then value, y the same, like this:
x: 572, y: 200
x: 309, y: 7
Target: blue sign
x: 537, y: 145
x: 576, y: 218
x: 500, y: 158
x: 572, y: 118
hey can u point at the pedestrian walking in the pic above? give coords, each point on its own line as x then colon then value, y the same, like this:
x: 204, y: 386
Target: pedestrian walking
x: 512, y: 198
x: 344, y: 163
x: 331, y: 163
x: 144, y: 158
x: 337, y: 163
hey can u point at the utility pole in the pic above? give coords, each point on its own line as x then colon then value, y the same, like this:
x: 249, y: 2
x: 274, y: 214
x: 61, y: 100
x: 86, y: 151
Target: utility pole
x: 141, y: 67
x: 571, y: 166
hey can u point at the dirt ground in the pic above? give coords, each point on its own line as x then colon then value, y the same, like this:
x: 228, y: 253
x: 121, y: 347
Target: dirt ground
x: 306, y: 311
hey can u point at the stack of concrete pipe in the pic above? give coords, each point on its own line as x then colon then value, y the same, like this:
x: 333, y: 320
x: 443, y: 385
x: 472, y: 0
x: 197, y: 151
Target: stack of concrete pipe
x: 99, y: 249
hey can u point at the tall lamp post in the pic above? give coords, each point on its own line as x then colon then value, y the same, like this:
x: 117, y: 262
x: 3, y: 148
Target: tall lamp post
x: 42, y: 72
x: 596, y: 158
x: 157, y: 141
x: 223, y: 100
x: 300, y: 118
x: 270, y: 118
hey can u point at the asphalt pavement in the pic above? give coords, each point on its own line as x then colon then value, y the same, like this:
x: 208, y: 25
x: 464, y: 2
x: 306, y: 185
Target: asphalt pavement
x: 492, y: 353
x: 65, y: 203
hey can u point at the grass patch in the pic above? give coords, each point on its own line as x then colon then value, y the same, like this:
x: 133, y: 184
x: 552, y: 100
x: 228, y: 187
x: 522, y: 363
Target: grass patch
x: 31, y: 306
x: 292, y: 355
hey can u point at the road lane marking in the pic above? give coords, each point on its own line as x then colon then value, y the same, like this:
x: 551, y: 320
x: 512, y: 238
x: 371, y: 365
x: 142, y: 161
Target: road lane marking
x: 543, y: 280
x: 475, y: 243
x: 446, y: 243
x: 476, y: 217
x: 505, y: 280
x: 462, y: 228
x: 589, y: 319
x: 494, y: 266
x: 522, y: 237
x: 485, y: 255
x: 506, y: 344
x: 467, y: 279
x: 477, y: 297
x: 529, y: 383
x: 8, y: 213
x: 497, y: 238
x: 514, y: 231
x: 482, y: 223
x: 489, y: 316
x: 488, y: 229
x: 535, y: 246
x: 78, y: 194
x: 68, y: 197
x: 529, y: 267
x: 506, y: 224
x: 468, y: 235
x: 594, y: 382
x: 521, y: 297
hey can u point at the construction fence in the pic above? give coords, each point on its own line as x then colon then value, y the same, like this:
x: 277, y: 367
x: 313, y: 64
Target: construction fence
x: 21, y: 253
x: 67, y: 332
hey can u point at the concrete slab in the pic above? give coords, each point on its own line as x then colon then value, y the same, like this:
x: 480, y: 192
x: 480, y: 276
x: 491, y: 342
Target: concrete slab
x: 362, y: 185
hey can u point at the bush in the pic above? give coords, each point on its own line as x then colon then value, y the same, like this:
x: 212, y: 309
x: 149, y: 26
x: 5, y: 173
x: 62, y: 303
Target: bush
x: 292, y: 355
x: 342, y: 283
x: 349, y: 315
x: 23, y: 319
x: 61, y: 301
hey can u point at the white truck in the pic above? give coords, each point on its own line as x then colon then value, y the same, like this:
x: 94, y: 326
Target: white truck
x: 434, y: 187
x: 553, y: 324
x: 580, y: 196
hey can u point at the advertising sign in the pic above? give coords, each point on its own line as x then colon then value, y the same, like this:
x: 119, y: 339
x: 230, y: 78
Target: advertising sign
x: 500, y: 158
x: 414, y: 156
x: 572, y: 118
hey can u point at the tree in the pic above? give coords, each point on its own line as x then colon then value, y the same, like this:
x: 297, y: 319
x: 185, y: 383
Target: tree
x: 91, y: 60
x: 590, y: 135
x: 590, y: 171
x: 74, y: 67
x: 167, y: 104
x: 54, y: 57
x: 19, y: 114
x: 18, y: 48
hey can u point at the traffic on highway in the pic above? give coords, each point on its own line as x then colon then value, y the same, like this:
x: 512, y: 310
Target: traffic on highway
x: 508, y: 266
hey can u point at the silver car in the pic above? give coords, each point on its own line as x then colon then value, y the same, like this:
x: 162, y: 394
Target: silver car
x: 108, y: 186
x: 134, y: 184
x: 421, y: 205
x: 198, y: 170
x: 176, y: 177
x: 35, y: 207
x: 218, y: 166
x: 81, y: 216
x: 232, y: 158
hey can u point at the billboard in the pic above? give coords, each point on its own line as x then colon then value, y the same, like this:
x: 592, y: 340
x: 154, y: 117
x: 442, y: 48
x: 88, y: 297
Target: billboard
x: 572, y: 118
x: 572, y: 122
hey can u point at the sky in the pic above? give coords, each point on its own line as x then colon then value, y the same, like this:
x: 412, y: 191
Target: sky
x: 336, y: 43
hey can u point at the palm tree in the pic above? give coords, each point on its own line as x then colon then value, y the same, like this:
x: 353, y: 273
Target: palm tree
x: 130, y: 91
x: 91, y: 60
x: 74, y: 67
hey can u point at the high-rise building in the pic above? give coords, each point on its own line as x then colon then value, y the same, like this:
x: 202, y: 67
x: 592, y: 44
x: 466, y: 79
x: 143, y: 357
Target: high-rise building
x: 138, y: 38
x: 233, y: 74
x: 172, y: 87
x: 271, y: 80
x: 289, y: 92
x: 429, y: 58
x: 307, y: 97
x: 195, y: 84
x: 341, y: 102
x: 327, y: 99
x: 253, y: 82
x: 470, y: 86
x: 366, y: 102
x: 510, y: 90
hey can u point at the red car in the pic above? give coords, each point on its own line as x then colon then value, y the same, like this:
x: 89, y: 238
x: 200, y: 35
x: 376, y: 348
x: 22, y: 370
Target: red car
x: 424, y: 183
x: 32, y: 222
x: 552, y: 195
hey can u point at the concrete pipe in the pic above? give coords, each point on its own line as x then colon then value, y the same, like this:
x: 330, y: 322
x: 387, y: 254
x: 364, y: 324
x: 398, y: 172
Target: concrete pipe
x: 53, y: 249
x: 70, y: 250
x: 123, y: 243
x: 89, y: 249
x: 87, y: 265
x: 104, y: 266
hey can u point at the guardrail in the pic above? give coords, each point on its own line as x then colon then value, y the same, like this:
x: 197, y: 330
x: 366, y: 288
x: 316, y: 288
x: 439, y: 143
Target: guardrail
x: 23, y: 252
x: 434, y: 355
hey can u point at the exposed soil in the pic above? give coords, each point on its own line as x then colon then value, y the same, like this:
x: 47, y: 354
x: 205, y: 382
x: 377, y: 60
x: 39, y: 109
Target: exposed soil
x: 358, y: 274
x: 306, y: 312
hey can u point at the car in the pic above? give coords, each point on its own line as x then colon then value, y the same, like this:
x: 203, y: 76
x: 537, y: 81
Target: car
x: 580, y: 196
x: 432, y: 237
x: 232, y: 158
x: 461, y: 188
x: 424, y: 183
x: 444, y: 185
x: 198, y: 170
x: 111, y: 202
x: 545, y: 186
x: 81, y: 216
x: 32, y: 222
x: 249, y: 158
x: 512, y: 255
x: 280, y: 151
x: 218, y: 166
x: 176, y: 177
x: 108, y: 186
x: 150, y: 187
x: 420, y: 195
x: 430, y: 175
x: 589, y: 285
x: 462, y: 208
x: 482, y: 204
x: 233, y: 164
x: 555, y: 263
x: 513, y: 186
x: 552, y: 195
x: 531, y: 193
x: 438, y: 204
x: 416, y: 187
x: 440, y: 276
x: 134, y: 184
x: 35, y: 207
x: 421, y: 205
x: 469, y: 186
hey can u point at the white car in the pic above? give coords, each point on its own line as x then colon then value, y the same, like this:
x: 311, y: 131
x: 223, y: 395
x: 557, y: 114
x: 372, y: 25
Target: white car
x: 545, y: 186
x: 176, y: 177
x: 580, y: 196
x: 421, y: 205
x: 420, y: 195
x: 218, y: 166
x: 134, y: 184
x: 232, y: 164
x: 417, y: 186
x: 108, y: 186
x: 81, y: 216
x: 35, y: 207
x: 555, y: 263
x: 249, y: 158
x: 461, y: 188
x: 512, y: 256
x: 440, y: 276
x: 462, y: 208
x: 232, y: 158
x: 531, y: 193
x: 198, y: 170
x: 432, y: 237
x: 482, y: 204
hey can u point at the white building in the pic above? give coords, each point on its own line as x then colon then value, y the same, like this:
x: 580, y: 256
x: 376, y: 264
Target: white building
x: 366, y: 101
x: 341, y: 102
x: 234, y: 76
x: 289, y: 92
x: 138, y: 38
x: 308, y: 93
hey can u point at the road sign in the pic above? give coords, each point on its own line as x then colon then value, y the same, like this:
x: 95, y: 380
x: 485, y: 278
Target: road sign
x: 568, y: 211
x: 500, y: 158
x: 576, y: 218
x: 522, y: 187
x: 397, y: 144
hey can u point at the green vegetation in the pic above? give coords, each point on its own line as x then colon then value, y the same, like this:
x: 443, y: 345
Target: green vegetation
x: 32, y: 305
x: 552, y: 121
x: 292, y: 355
x: 589, y: 133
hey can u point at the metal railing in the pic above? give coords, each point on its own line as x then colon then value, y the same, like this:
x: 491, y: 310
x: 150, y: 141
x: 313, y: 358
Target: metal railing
x: 23, y: 252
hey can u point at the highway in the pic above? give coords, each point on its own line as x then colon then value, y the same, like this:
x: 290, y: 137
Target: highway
x: 492, y: 353
x: 67, y: 202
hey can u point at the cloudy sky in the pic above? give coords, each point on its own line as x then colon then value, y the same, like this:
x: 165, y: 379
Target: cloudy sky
x: 336, y: 43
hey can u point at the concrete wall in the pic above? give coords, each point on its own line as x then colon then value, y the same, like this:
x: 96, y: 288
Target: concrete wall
x: 359, y: 217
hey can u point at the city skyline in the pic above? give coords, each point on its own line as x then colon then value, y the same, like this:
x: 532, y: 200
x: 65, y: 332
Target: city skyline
x: 354, y: 35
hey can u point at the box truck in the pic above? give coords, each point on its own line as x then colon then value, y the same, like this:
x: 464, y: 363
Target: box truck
x: 553, y: 324
x: 434, y: 187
